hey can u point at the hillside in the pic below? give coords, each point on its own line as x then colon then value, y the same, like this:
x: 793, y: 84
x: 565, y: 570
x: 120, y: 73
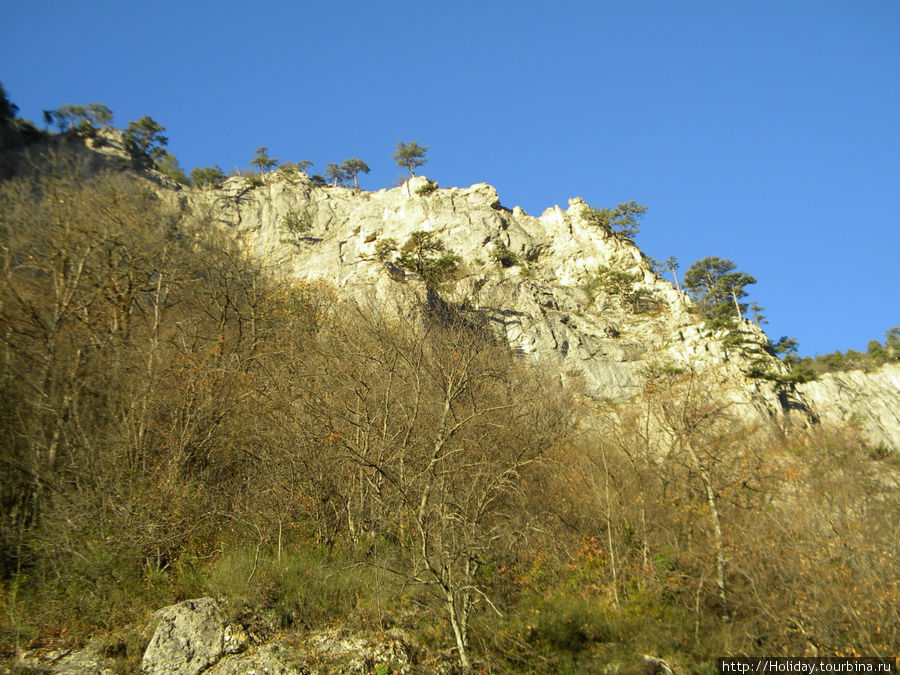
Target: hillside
x: 536, y: 278
x: 408, y: 430
x: 531, y: 277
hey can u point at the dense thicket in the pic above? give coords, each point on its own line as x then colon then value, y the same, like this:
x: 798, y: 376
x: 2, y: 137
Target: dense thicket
x: 178, y: 421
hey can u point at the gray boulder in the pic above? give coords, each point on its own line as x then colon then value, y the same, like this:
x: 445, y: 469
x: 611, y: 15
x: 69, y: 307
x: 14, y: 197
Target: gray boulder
x: 189, y: 638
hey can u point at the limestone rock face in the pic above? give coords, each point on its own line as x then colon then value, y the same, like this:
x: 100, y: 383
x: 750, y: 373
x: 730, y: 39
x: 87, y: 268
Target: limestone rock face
x: 190, y: 638
x: 871, y: 400
x: 535, y: 278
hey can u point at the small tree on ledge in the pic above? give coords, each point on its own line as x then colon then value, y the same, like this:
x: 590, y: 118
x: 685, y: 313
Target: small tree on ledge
x: 622, y: 221
x: 144, y: 138
x: 262, y: 160
x: 352, y: 167
x: 423, y: 254
x: 410, y: 155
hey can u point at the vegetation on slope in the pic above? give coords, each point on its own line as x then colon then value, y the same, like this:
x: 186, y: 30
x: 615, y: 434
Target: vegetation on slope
x: 876, y: 355
x: 179, y: 422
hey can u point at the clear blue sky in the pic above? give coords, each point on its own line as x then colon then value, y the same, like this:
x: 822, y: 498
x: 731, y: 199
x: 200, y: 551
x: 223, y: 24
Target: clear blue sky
x: 766, y: 131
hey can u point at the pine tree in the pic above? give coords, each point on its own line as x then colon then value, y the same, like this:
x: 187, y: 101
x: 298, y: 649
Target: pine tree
x: 410, y: 155
x: 623, y: 220
x: 144, y: 138
x: 262, y: 160
x: 352, y: 167
x: 718, y: 287
x: 337, y: 174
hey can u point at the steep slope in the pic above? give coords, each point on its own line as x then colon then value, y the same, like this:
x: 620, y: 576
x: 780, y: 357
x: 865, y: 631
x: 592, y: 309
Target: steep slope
x: 550, y: 302
x: 546, y: 297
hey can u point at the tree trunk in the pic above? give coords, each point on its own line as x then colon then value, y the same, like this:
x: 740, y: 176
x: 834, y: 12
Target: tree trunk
x: 712, y: 503
x: 737, y: 305
x: 460, y: 632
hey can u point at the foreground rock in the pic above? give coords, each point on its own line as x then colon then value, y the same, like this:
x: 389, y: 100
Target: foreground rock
x: 64, y: 662
x: 193, y: 637
x: 340, y: 652
x: 267, y: 660
x: 190, y: 637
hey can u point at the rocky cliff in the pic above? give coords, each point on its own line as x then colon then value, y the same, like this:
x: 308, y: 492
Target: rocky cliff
x: 870, y: 400
x: 539, y: 280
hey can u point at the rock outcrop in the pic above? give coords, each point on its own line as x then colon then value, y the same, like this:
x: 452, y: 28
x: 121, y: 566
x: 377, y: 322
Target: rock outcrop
x: 192, y: 637
x: 267, y: 660
x: 64, y: 662
x: 189, y: 638
x: 870, y: 400
x: 535, y: 279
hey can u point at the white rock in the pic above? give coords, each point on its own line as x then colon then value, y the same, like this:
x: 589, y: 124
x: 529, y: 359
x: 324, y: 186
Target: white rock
x: 188, y: 639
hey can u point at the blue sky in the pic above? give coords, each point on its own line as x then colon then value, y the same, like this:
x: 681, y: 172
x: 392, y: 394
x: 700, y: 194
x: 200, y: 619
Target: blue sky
x: 765, y: 131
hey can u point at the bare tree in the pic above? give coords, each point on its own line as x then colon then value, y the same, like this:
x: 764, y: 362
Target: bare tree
x: 434, y: 428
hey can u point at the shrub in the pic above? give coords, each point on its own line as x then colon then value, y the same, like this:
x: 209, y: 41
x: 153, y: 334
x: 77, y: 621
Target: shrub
x: 427, y: 188
x: 570, y: 623
x: 167, y: 164
x: 207, y: 176
x: 504, y: 257
x: 296, y: 223
x: 425, y: 254
x: 619, y: 284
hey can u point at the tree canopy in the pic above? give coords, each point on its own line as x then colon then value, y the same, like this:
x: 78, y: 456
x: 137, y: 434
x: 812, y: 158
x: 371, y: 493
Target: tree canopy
x: 352, y: 167
x: 83, y: 117
x: 623, y: 219
x: 423, y: 253
x: 302, y: 165
x: 262, y: 161
x: 336, y: 173
x: 144, y: 138
x: 207, y: 176
x: 410, y: 155
x: 168, y: 165
x: 718, y: 286
x: 8, y: 109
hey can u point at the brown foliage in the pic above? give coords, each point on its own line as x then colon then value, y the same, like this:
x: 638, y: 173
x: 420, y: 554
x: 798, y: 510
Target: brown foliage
x: 169, y: 406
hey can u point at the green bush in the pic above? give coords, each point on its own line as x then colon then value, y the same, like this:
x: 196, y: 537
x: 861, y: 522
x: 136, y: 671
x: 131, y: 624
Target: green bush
x: 297, y: 222
x: 504, y: 257
x: 618, y: 283
x: 207, y: 176
x: 423, y: 254
x: 427, y: 188
x: 102, y: 588
x: 309, y: 586
x: 167, y: 164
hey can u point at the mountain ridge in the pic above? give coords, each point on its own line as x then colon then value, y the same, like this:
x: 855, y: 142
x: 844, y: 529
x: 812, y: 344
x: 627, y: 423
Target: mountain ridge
x: 539, y: 298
